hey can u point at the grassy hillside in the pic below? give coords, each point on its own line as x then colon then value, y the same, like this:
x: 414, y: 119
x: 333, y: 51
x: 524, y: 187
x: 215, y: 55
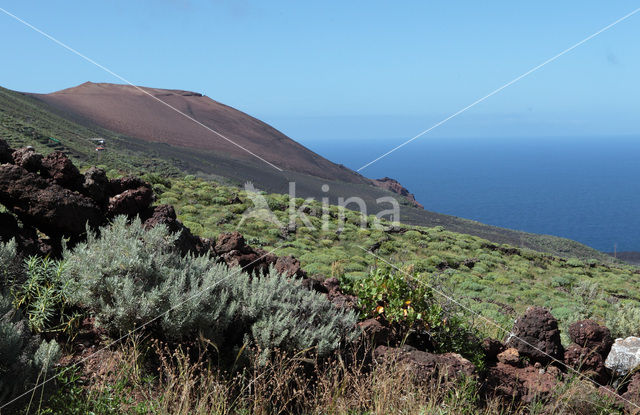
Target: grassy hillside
x: 25, y: 120
x: 500, y: 281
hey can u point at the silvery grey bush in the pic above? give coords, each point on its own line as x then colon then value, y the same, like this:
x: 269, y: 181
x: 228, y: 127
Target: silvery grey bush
x: 128, y: 276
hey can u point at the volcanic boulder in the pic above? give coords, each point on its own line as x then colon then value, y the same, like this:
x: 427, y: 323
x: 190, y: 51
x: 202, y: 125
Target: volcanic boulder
x: 425, y: 366
x: 522, y: 383
x: 536, y: 336
x: 60, y: 168
x: 28, y: 159
x: 587, y: 361
x: 130, y: 202
x: 290, y: 266
x: 96, y: 185
x: 186, y: 242
x: 591, y: 345
x: 591, y: 335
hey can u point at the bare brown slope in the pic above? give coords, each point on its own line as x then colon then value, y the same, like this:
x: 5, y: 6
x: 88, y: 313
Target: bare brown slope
x: 127, y: 110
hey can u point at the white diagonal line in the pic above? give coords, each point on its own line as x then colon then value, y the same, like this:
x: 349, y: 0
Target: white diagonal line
x: 69, y: 48
x: 529, y: 72
x: 493, y: 323
x: 84, y: 359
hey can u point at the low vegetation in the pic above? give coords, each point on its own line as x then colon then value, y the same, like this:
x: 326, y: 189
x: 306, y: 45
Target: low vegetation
x: 499, y: 281
x: 212, y: 339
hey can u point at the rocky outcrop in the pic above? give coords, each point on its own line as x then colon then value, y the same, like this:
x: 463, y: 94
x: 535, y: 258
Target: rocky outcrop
x: 131, y: 202
x: 536, y: 336
x: 28, y: 159
x: 59, y: 168
x: 49, y: 194
x: 394, y: 186
x: 45, y: 205
x: 96, y: 185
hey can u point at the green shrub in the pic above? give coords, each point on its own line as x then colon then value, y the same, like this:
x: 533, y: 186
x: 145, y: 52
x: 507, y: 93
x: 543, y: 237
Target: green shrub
x: 154, y: 178
x: 574, y: 262
x: 23, y: 357
x: 563, y: 281
x: 44, y: 296
x: 130, y: 276
x: 409, y: 299
x: 624, y: 320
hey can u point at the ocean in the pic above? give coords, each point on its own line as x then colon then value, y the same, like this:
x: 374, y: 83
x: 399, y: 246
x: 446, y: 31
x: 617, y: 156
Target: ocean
x: 586, y: 189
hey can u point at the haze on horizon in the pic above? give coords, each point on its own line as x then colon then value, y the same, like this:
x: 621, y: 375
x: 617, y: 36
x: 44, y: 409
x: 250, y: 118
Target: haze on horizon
x: 355, y: 70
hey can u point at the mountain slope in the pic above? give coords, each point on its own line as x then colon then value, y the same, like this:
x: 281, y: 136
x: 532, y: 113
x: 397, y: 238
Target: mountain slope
x: 134, y: 112
x: 27, y: 119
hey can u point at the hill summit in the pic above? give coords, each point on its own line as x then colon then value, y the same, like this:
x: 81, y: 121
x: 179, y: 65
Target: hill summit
x: 185, y: 119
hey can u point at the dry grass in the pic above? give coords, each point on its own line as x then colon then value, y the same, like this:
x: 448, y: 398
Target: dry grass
x: 156, y: 379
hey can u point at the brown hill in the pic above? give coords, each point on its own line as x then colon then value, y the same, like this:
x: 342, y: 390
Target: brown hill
x: 136, y: 113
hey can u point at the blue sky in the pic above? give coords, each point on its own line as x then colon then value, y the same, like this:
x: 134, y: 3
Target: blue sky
x: 351, y: 70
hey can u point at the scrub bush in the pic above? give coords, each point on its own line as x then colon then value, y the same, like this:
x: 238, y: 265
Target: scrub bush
x: 130, y: 276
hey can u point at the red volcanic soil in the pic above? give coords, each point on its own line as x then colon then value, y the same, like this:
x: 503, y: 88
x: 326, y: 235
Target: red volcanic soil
x: 133, y: 112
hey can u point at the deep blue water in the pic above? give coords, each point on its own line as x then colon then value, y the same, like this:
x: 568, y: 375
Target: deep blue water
x: 585, y: 189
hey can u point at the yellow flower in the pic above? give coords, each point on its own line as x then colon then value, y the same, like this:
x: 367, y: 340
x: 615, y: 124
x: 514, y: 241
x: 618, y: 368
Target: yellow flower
x: 380, y: 309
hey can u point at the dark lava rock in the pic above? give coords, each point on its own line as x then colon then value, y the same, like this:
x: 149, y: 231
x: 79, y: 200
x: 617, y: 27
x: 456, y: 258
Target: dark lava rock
x: 587, y: 361
x: 592, y: 336
x: 5, y: 152
x: 229, y: 241
x: 337, y: 297
x: 426, y: 366
x: 522, y: 383
x: 49, y: 207
x: 290, y: 267
x: 96, y: 185
x: 186, y: 242
x: 536, y: 336
x: 28, y: 159
x: 130, y: 202
x: 376, y: 331
x: 118, y: 186
x: 60, y: 168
